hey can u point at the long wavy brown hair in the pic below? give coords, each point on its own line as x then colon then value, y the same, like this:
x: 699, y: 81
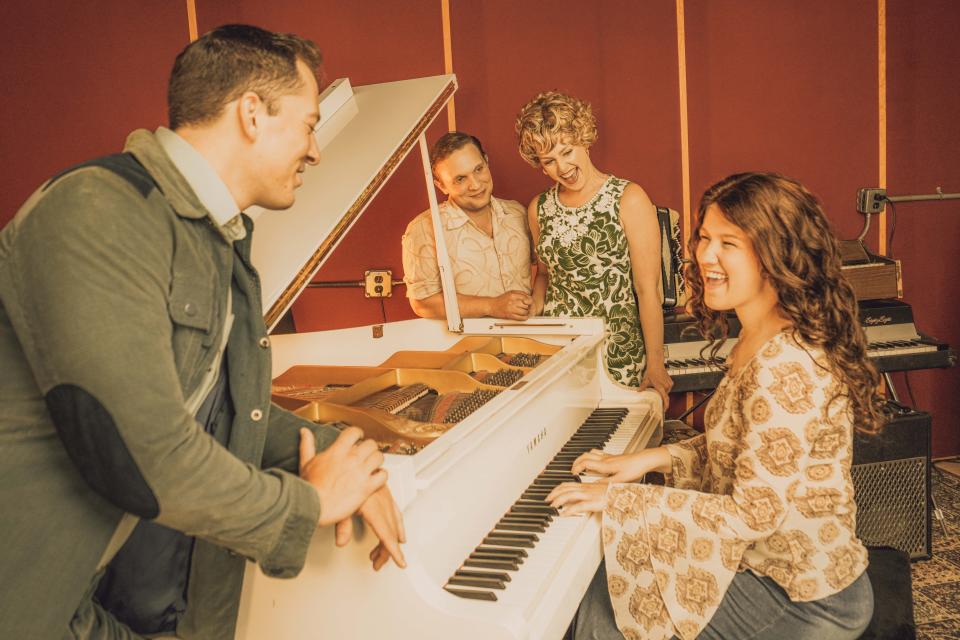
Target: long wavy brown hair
x: 800, y: 257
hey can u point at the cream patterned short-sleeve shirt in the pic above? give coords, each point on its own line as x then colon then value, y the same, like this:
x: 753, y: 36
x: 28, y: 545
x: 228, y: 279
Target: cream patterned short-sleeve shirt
x: 765, y: 488
x: 482, y: 266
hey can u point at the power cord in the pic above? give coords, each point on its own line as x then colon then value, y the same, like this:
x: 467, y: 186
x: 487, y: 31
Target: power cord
x: 893, y: 226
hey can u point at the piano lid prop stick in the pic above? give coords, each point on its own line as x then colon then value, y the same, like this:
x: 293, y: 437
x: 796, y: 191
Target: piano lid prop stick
x: 454, y: 321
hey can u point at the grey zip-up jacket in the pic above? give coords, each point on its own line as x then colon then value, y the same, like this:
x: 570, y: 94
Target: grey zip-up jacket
x: 113, y: 286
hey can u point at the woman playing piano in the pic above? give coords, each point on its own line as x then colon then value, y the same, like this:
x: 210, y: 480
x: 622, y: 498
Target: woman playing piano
x: 597, y: 240
x: 753, y: 535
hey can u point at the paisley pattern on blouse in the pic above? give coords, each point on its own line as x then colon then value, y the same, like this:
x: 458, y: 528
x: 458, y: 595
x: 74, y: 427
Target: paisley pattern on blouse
x: 586, y: 253
x: 766, y: 487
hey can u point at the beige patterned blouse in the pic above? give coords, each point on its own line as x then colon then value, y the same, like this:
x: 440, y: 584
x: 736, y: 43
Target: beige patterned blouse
x: 482, y: 266
x: 766, y: 487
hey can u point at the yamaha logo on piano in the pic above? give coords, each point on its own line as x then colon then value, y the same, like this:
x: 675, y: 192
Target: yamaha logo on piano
x: 537, y: 439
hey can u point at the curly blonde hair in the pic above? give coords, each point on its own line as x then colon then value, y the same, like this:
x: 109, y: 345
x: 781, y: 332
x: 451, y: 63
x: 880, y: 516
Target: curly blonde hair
x: 800, y: 257
x: 552, y: 118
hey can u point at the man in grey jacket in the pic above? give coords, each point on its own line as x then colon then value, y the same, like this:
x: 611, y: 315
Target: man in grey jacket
x: 137, y: 435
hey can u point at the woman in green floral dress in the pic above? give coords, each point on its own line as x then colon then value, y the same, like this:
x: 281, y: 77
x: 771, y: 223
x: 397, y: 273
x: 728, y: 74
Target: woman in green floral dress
x: 597, y: 240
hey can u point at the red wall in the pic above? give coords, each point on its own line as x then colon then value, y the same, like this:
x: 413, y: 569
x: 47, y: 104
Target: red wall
x: 79, y: 76
x: 783, y: 86
x: 788, y: 86
x: 629, y: 74
x: 923, y: 153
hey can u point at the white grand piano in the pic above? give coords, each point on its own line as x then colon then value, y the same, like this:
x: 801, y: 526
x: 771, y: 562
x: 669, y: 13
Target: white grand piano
x: 486, y: 558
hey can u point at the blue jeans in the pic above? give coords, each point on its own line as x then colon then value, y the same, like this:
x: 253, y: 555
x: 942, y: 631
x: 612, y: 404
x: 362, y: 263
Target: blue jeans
x: 753, y: 608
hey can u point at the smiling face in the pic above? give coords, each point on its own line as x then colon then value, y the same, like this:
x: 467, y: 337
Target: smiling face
x: 464, y: 176
x: 286, y: 143
x: 730, y: 268
x: 567, y: 164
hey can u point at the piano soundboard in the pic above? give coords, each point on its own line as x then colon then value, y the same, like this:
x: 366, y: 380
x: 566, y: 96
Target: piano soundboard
x: 487, y: 558
x: 893, y: 343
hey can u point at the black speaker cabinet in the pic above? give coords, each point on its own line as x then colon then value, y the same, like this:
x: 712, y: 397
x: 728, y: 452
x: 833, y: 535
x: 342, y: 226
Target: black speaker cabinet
x: 891, y: 477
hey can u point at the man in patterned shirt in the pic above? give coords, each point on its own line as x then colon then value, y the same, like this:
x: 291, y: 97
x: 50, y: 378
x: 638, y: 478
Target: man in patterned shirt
x: 487, y: 238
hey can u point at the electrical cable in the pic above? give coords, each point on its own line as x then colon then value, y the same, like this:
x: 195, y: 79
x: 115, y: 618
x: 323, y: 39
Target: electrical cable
x: 383, y: 310
x: 696, y: 406
x: 893, y: 226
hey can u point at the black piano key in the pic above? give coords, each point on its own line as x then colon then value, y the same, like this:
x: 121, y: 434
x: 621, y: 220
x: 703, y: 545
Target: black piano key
x: 544, y: 520
x: 534, y: 494
x: 508, y: 542
x: 532, y: 508
x: 481, y: 583
x: 481, y: 563
x: 495, y: 575
x: 514, y: 535
x: 473, y: 595
x: 519, y: 526
x: 563, y: 475
x: 498, y: 551
x: 527, y: 517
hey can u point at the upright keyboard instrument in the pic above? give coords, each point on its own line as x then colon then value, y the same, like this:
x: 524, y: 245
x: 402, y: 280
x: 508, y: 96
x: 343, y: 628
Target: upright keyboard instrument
x: 893, y: 343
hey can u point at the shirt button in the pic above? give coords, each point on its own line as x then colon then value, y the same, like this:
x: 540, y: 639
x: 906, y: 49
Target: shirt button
x: 190, y: 309
x: 264, y: 342
x: 256, y: 414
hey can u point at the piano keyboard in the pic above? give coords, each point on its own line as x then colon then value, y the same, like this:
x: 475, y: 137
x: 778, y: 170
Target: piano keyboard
x: 898, y: 348
x: 513, y: 559
x: 695, y: 374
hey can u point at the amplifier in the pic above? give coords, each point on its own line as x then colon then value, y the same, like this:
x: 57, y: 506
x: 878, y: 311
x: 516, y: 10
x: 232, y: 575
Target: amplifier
x: 891, y: 477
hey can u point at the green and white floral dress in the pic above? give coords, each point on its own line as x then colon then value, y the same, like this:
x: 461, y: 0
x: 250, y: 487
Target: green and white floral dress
x: 588, y: 259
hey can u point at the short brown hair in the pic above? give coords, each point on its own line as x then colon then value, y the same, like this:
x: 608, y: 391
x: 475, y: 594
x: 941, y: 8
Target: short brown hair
x: 448, y: 144
x: 551, y: 118
x: 224, y: 63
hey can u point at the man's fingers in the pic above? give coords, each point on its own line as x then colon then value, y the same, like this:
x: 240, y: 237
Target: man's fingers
x: 379, y: 557
x: 401, y: 530
x: 344, y: 531
x: 377, y: 479
x: 370, y: 456
x: 347, y: 438
x: 380, y: 521
x: 308, y: 447
x: 366, y: 448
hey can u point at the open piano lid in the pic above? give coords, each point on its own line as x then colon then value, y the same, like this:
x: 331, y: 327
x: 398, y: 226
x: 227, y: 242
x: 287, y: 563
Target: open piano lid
x: 361, y: 146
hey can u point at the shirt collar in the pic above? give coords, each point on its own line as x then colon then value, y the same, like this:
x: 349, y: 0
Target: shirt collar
x: 213, y: 193
x: 456, y: 218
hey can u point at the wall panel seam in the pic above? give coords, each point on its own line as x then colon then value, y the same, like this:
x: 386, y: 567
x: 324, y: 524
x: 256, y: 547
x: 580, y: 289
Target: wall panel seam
x: 192, y: 19
x: 882, y: 116
x: 684, y: 125
x: 448, y: 60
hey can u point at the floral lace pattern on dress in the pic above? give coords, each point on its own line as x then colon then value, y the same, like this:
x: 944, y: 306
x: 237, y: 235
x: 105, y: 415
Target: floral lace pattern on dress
x: 586, y: 252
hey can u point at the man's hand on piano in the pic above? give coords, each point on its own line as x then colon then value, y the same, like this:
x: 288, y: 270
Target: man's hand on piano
x: 626, y: 467
x: 657, y: 377
x: 575, y: 498
x: 345, y: 475
x: 512, y: 305
x: 381, y: 514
